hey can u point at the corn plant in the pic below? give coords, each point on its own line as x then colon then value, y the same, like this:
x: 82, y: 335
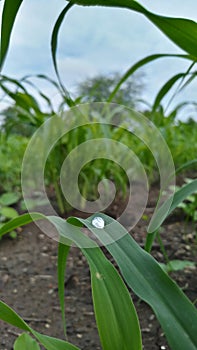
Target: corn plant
x: 115, y: 314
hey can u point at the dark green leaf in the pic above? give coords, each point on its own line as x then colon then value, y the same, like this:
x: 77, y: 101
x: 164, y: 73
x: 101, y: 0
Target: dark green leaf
x: 10, y: 10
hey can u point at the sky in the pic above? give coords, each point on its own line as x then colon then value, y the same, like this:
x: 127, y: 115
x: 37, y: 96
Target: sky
x: 95, y: 41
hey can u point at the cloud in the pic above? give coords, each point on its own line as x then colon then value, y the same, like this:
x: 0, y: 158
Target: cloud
x: 94, y: 40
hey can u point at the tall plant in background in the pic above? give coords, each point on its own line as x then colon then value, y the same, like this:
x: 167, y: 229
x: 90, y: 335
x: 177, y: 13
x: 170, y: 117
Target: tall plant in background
x: 115, y: 314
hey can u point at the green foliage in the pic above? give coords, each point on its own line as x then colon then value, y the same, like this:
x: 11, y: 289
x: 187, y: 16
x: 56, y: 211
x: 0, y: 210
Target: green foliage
x: 189, y: 205
x: 7, y: 212
x: 12, y: 150
x: 162, y: 213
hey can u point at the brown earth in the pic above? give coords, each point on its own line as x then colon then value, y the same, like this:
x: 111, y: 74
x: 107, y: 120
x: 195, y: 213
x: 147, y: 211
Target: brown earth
x: 28, y: 282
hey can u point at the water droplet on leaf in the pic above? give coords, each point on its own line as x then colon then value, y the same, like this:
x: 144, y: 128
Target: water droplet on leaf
x: 98, y: 222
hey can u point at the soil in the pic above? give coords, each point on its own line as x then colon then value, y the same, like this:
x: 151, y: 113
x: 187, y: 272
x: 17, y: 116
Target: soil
x: 28, y: 282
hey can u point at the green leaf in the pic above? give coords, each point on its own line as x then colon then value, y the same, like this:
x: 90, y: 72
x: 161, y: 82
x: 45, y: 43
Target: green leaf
x: 19, y: 221
x: 52, y: 343
x: 176, y: 314
x: 176, y: 265
x: 140, y: 64
x: 10, y: 10
x: 116, y: 317
x: 8, y: 212
x: 24, y: 342
x: 183, y: 32
x: 9, y: 198
x: 165, y: 89
x: 175, y: 200
x: 10, y: 316
x: 54, y: 37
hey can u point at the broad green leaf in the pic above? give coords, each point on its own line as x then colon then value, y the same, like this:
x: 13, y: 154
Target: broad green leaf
x: 8, y: 212
x: 176, y: 314
x: 10, y: 316
x: 116, y: 317
x: 183, y: 32
x: 24, y: 342
x: 9, y: 198
x: 10, y: 10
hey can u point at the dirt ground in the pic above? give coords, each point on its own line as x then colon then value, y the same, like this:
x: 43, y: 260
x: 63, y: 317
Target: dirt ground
x: 28, y: 283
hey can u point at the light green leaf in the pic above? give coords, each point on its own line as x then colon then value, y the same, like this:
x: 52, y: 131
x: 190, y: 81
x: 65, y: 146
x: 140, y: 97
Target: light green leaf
x: 10, y: 10
x: 8, y: 212
x: 175, y: 265
x: 25, y: 342
x: 176, y: 314
x: 9, y: 198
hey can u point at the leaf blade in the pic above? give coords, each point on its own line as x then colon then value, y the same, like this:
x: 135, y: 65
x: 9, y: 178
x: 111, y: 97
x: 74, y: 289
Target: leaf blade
x: 10, y: 11
x: 183, y: 32
x: 24, y: 341
x: 144, y: 275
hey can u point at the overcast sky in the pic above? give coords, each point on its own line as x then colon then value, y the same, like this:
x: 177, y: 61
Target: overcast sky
x: 94, y: 41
